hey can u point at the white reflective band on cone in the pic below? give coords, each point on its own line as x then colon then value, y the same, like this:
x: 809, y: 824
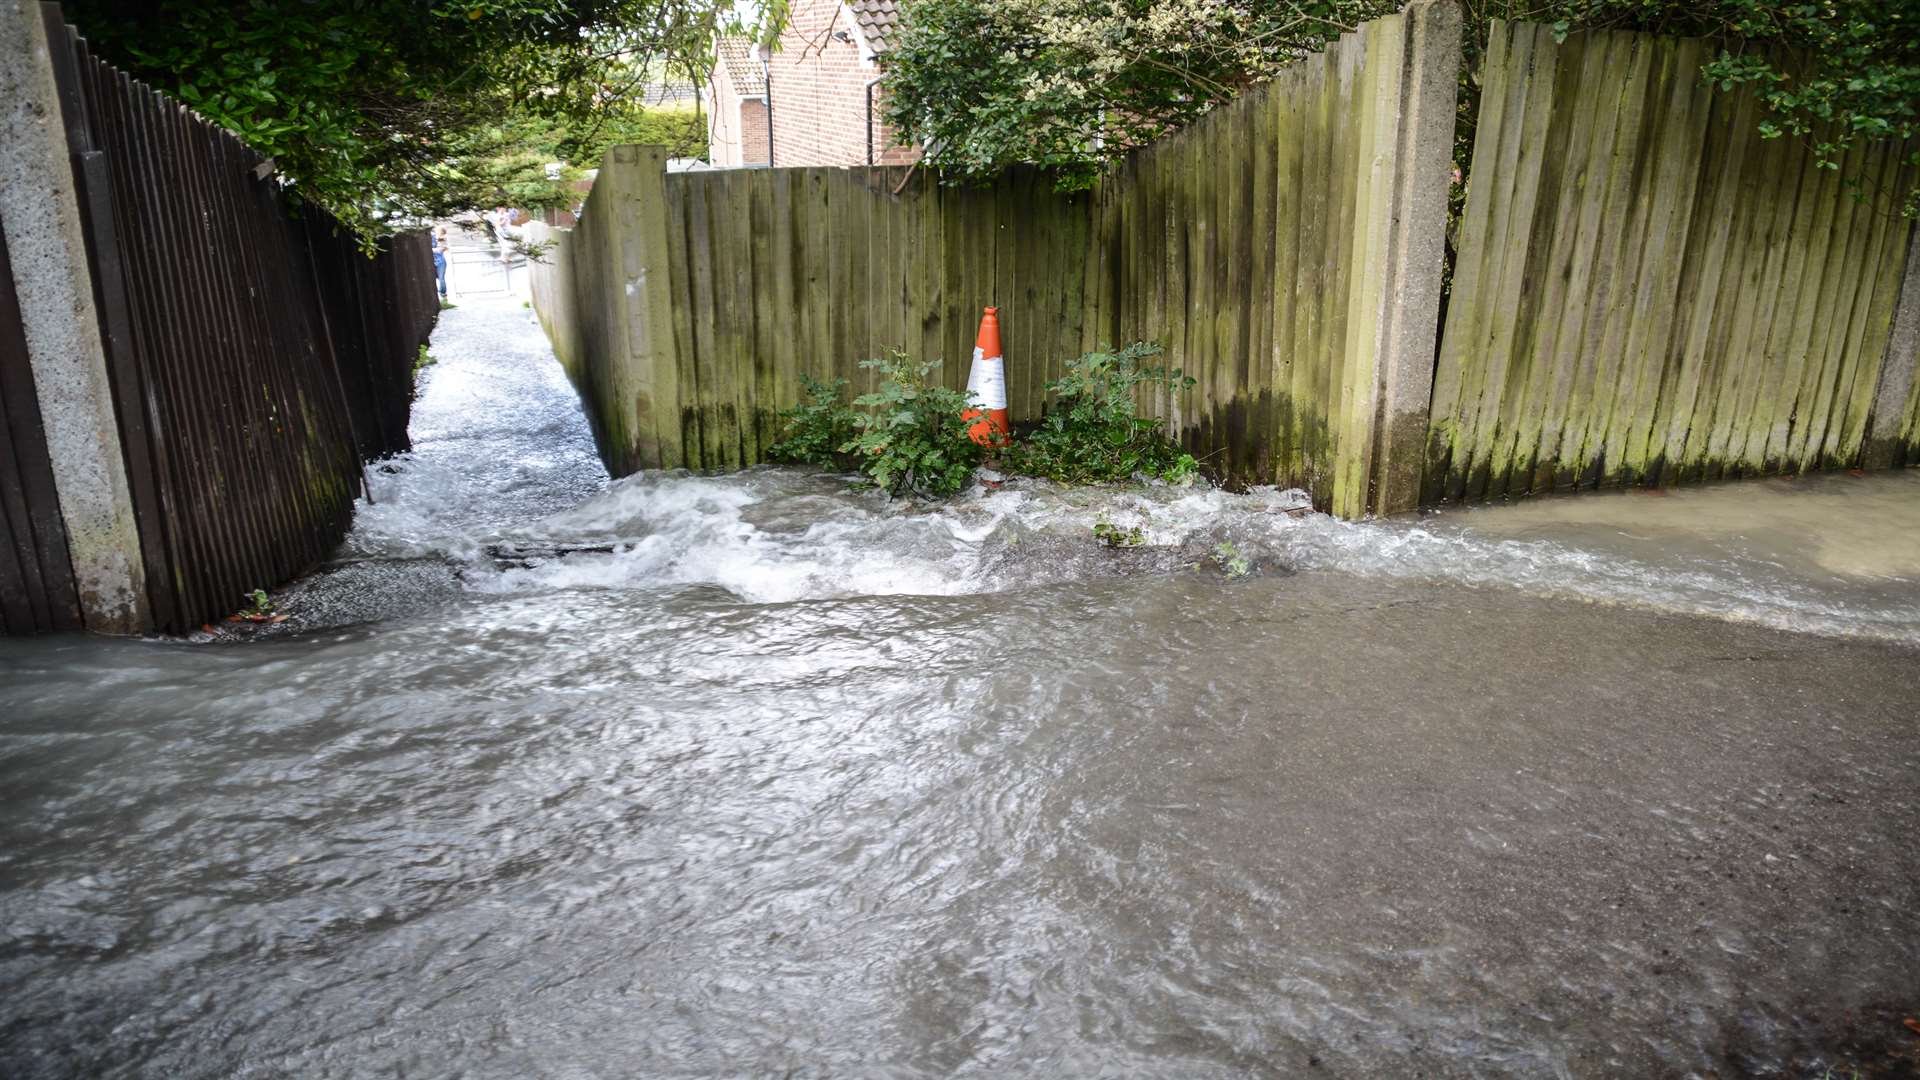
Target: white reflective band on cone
x: 987, y: 381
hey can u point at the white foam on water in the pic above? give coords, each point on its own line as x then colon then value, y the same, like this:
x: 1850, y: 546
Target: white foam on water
x: 775, y: 535
x: 506, y: 485
x: 679, y: 529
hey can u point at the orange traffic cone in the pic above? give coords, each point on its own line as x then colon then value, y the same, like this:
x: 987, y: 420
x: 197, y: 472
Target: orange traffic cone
x: 987, y: 384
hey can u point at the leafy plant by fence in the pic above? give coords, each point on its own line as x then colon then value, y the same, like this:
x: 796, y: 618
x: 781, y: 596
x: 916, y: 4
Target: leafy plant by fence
x: 1093, y: 432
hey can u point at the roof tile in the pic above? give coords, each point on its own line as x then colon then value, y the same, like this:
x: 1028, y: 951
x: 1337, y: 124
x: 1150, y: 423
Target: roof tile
x: 878, y: 19
x: 736, y: 61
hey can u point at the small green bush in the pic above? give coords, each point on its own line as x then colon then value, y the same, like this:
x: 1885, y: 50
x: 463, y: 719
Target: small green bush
x: 813, y: 432
x: 683, y: 131
x: 1095, y: 434
x: 422, y: 360
x: 909, y: 437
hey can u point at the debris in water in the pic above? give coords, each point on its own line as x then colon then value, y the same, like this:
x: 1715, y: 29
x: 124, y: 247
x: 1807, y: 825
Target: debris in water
x: 527, y: 556
x: 1114, y: 536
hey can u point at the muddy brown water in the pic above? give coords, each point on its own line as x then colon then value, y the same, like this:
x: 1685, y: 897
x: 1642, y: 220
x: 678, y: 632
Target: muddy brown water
x: 751, y: 775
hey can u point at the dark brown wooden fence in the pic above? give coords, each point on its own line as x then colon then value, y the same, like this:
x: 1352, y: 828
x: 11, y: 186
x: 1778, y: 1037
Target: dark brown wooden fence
x: 37, y: 591
x: 256, y: 355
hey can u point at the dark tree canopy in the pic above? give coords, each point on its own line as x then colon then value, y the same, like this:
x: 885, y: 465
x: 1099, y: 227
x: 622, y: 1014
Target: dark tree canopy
x: 389, y: 110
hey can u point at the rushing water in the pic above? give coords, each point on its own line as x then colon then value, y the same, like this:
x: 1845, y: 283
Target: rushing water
x: 755, y: 775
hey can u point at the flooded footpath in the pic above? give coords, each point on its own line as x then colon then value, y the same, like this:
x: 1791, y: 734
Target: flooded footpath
x: 759, y: 775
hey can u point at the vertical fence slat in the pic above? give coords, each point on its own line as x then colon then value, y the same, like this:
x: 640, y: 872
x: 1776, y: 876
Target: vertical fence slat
x: 683, y: 431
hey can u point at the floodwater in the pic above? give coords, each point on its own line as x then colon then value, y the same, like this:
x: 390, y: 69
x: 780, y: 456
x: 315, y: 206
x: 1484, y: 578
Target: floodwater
x: 755, y: 775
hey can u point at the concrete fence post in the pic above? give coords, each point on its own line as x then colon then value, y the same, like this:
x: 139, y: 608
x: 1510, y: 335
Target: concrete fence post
x: 1399, y: 235
x: 1895, y: 387
x: 40, y: 214
x: 1409, y: 315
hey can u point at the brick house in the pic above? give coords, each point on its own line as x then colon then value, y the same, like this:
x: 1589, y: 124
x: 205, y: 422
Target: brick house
x: 816, y: 100
x: 737, y: 105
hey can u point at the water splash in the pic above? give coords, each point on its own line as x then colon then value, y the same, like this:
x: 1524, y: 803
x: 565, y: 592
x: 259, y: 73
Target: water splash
x: 773, y: 535
x: 505, y: 495
x: 586, y: 798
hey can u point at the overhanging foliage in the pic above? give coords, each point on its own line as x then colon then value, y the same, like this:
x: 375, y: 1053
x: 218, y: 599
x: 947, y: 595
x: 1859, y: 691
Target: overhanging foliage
x: 385, y: 111
x: 1069, y: 83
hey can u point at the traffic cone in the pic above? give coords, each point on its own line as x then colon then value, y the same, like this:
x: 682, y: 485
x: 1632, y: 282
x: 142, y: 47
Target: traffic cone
x: 987, y: 384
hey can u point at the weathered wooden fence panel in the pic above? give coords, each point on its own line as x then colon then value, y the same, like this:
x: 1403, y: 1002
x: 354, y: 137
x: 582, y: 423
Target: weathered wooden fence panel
x: 688, y: 306
x: 860, y: 261
x: 374, y: 314
x: 1909, y: 446
x: 1262, y: 246
x: 1646, y: 290
x: 255, y: 355
x: 37, y: 591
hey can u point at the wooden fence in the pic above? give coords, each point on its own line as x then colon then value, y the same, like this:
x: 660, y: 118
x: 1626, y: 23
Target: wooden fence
x: 1274, y: 249
x: 815, y: 270
x: 768, y: 275
x: 255, y: 355
x: 1271, y: 249
x: 1645, y: 290
x: 1649, y: 292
